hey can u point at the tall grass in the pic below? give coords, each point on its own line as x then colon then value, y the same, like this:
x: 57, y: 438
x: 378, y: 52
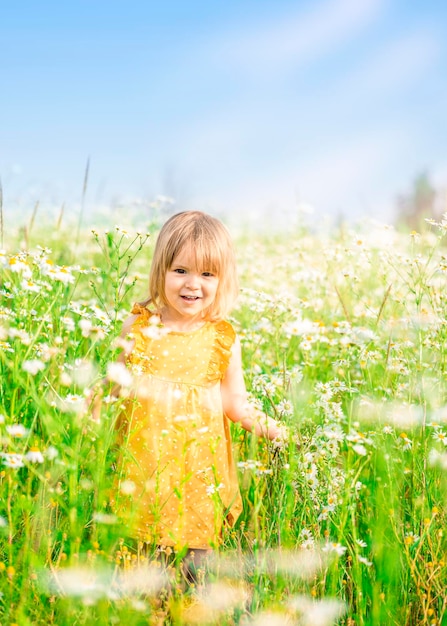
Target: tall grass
x: 344, y: 339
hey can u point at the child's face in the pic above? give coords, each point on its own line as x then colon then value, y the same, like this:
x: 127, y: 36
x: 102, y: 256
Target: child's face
x: 189, y: 292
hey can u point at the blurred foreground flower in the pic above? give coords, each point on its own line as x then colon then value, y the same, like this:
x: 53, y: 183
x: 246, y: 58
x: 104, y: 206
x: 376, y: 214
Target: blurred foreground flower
x: 222, y: 596
x: 144, y: 580
x: 88, y: 584
x: 104, y: 518
x: 393, y: 414
x: 437, y: 459
x: 127, y: 487
x: 268, y: 618
x: 215, y: 600
x: 155, y: 330
x: 317, y: 612
x: 92, y: 585
x: 84, y: 372
x: 303, y: 563
x: 33, y: 366
x: 51, y: 453
x: 118, y: 373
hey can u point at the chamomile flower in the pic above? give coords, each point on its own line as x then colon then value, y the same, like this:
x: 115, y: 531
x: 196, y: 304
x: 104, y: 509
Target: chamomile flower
x: 18, y: 431
x: 307, y: 539
x: 406, y: 442
x: 101, y: 315
x: 12, y: 460
x: 28, y: 285
x: 334, y: 547
x: 34, y: 455
x: 20, y: 265
x: 61, y: 274
x: 440, y: 436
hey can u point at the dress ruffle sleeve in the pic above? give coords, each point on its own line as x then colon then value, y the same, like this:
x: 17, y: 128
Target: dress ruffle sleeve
x: 221, y: 353
x: 144, y: 313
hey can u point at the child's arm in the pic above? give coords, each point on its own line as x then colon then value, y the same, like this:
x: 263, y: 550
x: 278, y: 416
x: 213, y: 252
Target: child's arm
x: 237, y: 406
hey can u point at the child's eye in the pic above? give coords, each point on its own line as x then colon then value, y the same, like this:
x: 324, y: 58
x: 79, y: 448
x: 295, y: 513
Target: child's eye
x: 179, y: 270
x: 207, y: 274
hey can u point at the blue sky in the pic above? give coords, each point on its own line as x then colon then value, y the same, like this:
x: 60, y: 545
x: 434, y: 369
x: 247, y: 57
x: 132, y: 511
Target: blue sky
x: 241, y: 106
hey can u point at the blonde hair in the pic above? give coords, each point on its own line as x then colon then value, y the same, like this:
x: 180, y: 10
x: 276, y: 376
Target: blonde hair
x: 213, y: 249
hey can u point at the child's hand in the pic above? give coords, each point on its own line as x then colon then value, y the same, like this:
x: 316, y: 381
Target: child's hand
x: 275, y: 431
x: 281, y: 438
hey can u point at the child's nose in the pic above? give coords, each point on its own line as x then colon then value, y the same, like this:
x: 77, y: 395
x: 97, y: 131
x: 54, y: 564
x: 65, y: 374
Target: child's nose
x: 193, y: 281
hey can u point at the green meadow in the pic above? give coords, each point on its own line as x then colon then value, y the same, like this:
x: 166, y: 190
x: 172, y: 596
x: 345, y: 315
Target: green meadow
x: 344, y: 340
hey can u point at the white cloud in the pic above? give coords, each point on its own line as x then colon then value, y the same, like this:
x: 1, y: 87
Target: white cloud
x: 298, y: 37
x: 399, y: 62
x: 348, y: 143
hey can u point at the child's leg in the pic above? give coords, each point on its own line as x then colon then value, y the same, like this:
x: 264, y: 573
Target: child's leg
x: 194, y: 565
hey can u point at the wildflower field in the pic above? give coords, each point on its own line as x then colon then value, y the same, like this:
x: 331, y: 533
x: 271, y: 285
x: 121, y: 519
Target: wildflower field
x: 344, y: 340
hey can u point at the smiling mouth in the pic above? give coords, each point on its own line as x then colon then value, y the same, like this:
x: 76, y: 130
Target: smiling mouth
x: 190, y: 298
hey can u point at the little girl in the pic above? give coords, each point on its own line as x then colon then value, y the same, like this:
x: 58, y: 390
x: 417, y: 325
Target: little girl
x: 188, y: 382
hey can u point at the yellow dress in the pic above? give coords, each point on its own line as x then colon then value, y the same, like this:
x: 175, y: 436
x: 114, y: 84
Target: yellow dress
x: 177, y: 453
